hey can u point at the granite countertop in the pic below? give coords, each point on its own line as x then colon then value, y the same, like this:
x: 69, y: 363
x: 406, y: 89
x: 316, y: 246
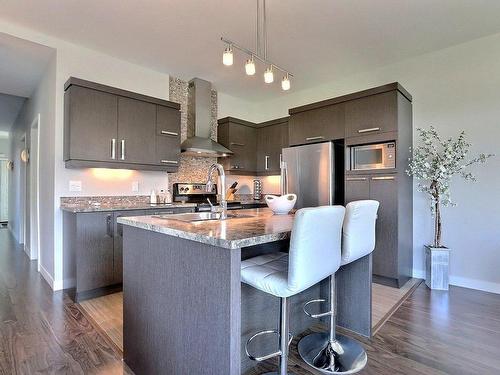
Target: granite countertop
x: 119, y: 206
x: 261, y: 227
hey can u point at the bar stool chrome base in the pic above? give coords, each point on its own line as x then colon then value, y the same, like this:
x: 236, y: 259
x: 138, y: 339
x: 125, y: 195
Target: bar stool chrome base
x: 349, y: 357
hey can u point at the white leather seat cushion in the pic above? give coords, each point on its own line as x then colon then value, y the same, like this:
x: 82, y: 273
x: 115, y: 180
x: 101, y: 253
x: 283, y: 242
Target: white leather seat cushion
x: 268, y: 273
x: 358, y: 234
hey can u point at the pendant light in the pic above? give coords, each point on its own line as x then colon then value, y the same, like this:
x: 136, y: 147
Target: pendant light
x: 260, y: 53
x: 285, y: 83
x: 269, y: 75
x: 227, y: 56
x: 250, y: 67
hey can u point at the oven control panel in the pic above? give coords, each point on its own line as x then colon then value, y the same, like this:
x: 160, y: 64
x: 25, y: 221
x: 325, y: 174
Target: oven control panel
x: 192, y: 189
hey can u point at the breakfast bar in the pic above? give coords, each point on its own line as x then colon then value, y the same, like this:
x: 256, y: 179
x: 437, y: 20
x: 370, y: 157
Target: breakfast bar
x: 185, y: 309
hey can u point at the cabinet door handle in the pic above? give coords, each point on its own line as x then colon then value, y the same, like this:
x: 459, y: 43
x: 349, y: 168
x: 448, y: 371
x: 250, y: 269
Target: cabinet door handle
x: 267, y: 162
x: 355, y: 179
x: 315, y: 138
x: 384, y: 178
x: 109, y: 225
x: 122, y: 149
x: 173, y: 134
x: 169, y: 161
x: 236, y: 167
x: 368, y: 130
x: 237, y: 144
x: 119, y: 227
x: 113, y: 148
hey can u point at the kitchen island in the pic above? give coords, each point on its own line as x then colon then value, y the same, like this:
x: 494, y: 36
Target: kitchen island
x: 185, y: 309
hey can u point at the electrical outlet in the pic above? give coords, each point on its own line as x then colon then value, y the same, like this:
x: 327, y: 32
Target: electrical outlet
x: 75, y: 186
x: 135, y: 186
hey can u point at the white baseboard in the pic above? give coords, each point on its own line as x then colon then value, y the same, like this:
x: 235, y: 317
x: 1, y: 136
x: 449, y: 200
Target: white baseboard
x: 48, y: 278
x: 56, y: 285
x: 485, y: 286
x: 419, y: 274
x: 464, y: 282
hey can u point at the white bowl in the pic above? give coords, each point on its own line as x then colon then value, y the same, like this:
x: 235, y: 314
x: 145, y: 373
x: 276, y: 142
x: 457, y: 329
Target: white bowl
x: 281, y: 205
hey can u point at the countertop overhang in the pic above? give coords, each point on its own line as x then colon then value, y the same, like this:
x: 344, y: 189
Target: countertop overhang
x: 233, y: 233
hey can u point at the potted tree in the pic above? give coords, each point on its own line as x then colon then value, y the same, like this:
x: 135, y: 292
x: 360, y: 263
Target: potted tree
x: 435, y: 162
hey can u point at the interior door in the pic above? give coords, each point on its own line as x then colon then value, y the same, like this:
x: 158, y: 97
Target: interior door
x: 309, y: 171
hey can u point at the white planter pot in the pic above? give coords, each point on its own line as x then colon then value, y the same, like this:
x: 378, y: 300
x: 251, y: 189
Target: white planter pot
x: 437, y: 266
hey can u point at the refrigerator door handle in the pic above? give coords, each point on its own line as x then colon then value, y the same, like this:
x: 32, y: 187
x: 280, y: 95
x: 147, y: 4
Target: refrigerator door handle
x: 283, y: 179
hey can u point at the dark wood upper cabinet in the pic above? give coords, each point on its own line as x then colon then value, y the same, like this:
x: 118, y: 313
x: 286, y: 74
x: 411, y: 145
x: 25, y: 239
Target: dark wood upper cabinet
x: 256, y: 147
x: 93, y: 117
x: 168, y: 137
x: 241, y: 138
x: 316, y: 125
x: 136, y: 131
x: 372, y: 114
x: 113, y: 128
x: 272, y: 137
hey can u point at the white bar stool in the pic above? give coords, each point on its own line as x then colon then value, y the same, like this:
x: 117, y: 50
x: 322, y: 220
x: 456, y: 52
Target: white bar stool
x: 329, y: 352
x: 314, y: 255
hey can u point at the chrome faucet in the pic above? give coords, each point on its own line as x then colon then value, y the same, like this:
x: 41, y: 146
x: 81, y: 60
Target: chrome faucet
x: 222, y: 208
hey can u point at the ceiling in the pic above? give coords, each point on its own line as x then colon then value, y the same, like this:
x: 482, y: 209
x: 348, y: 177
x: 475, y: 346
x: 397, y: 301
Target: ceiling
x: 318, y: 40
x: 9, y: 109
x: 22, y: 65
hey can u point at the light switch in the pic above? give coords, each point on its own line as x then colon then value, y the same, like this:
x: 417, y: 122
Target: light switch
x: 75, y: 186
x: 135, y: 186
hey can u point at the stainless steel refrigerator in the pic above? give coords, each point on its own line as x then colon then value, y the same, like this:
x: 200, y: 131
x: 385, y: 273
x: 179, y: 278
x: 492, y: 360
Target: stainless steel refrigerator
x: 315, y: 173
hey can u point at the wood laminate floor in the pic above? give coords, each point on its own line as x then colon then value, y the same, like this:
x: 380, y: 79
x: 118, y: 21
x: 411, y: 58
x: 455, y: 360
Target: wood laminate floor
x: 107, y: 311
x: 42, y: 332
x: 455, y: 332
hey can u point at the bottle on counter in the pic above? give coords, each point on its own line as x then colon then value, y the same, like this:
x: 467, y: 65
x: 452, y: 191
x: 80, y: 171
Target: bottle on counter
x: 153, y: 199
x: 161, y: 196
x: 168, y: 196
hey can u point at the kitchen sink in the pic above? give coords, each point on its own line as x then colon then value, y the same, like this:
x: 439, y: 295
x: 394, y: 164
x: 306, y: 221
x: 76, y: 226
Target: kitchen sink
x: 200, y: 216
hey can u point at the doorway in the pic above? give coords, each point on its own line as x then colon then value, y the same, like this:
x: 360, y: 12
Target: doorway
x: 4, y: 192
x: 34, y: 190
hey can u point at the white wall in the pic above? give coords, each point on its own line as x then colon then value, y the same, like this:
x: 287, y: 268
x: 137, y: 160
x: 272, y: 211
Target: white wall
x: 454, y: 89
x: 72, y: 60
x: 42, y: 102
x: 90, y: 65
x: 4, y: 147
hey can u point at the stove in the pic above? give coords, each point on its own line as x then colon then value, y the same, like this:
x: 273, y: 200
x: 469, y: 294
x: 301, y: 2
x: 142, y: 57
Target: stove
x: 196, y: 193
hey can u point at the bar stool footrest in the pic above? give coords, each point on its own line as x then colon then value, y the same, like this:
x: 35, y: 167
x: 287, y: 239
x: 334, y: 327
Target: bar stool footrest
x: 267, y: 356
x: 319, y: 315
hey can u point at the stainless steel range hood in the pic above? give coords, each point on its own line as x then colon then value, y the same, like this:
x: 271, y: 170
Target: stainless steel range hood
x: 199, y: 117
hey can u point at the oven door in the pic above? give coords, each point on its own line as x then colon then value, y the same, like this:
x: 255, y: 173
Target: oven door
x: 379, y: 156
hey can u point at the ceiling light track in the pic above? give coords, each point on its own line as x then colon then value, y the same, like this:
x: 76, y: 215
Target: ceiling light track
x: 259, y: 53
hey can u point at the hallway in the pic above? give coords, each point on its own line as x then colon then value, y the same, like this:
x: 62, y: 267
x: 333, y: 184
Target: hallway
x: 41, y: 331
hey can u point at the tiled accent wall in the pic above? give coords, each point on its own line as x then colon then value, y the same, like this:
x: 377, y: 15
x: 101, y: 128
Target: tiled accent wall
x: 194, y: 169
x: 191, y: 168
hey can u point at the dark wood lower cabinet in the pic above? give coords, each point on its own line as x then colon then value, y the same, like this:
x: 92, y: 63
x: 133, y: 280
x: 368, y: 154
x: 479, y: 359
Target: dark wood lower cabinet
x: 94, y: 243
x: 384, y: 189
x: 392, y: 257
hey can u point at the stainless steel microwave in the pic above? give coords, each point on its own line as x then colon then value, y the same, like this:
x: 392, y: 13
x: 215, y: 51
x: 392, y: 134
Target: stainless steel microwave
x: 375, y: 156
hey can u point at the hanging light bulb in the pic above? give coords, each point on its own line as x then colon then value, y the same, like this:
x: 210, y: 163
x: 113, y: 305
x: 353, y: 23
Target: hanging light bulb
x: 269, y: 75
x: 227, y: 56
x: 285, y: 83
x: 250, y: 67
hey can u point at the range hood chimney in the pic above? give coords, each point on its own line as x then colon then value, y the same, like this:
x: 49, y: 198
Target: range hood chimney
x: 199, y: 143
